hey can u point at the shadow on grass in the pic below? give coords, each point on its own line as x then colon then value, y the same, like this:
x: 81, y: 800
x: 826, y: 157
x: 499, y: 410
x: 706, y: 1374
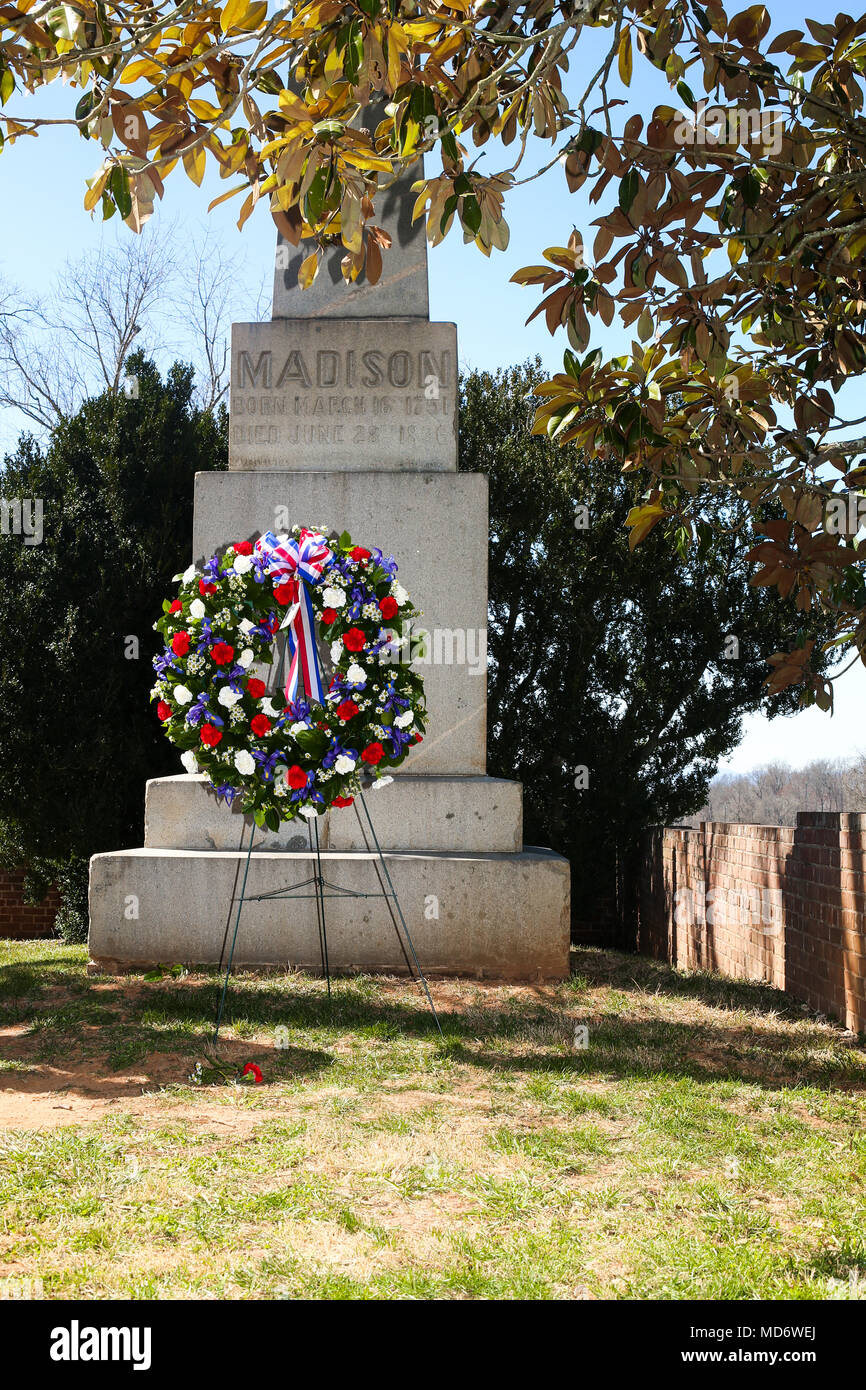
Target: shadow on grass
x: 127, y: 1020
x: 617, y: 970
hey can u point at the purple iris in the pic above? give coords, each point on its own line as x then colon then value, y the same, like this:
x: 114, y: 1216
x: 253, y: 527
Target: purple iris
x: 206, y: 636
x: 338, y: 690
x: 166, y: 662
x: 390, y: 700
x: 387, y: 563
x: 399, y: 738
x: 308, y: 791
x: 233, y: 676
x: 213, y: 571
x: 268, y: 763
x: 298, y: 710
x: 228, y: 793
x: 265, y: 630
x: 197, y: 712
x: 359, y: 596
x: 335, y: 751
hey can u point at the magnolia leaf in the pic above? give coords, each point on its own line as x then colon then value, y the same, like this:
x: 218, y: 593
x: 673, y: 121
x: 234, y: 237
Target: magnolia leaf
x: 232, y: 14
x: 641, y: 521
x: 194, y: 164
x: 309, y: 270
x: 624, y: 59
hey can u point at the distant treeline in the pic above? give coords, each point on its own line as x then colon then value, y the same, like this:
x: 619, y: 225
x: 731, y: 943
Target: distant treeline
x: 773, y: 795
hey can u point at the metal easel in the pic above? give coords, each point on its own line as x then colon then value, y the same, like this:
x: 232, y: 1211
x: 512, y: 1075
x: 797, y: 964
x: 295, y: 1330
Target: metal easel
x: 323, y: 888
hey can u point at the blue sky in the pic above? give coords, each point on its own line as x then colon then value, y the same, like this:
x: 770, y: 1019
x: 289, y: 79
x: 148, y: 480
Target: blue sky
x: 43, y: 223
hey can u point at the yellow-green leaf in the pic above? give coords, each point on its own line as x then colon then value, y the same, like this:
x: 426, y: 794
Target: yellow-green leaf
x: 232, y: 14
x: 193, y: 163
x: 623, y: 57
x: 309, y: 270
x: 641, y: 521
x: 239, y: 188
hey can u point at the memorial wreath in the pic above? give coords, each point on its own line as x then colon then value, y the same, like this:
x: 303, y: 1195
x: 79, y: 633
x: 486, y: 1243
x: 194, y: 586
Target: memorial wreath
x: 282, y: 753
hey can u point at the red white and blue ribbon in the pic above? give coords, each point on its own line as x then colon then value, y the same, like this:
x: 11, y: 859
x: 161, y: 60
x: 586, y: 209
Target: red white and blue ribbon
x: 290, y: 561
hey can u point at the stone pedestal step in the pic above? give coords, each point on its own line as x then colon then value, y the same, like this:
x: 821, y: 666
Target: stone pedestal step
x: 411, y: 813
x: 498, y: 916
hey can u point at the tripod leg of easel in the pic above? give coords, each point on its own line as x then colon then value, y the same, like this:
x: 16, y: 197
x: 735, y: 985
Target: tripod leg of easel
x: 406, y: 931
x: 222, y: 1002
x: 320, y: 905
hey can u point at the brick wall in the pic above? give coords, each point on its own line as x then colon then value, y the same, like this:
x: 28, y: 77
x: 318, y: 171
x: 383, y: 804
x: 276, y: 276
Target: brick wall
x: 20, y: 919
x: 786, y: 905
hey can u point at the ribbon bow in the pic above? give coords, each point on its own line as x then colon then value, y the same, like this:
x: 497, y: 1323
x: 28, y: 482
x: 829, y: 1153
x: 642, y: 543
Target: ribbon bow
x: 290, y: 561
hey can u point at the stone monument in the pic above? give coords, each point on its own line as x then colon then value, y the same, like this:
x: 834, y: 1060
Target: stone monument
x: 343, y: 414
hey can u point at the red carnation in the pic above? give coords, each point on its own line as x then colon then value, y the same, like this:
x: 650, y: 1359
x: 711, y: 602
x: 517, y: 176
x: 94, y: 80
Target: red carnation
x: 205, y: 589
x: 347, y: 710
x: 256, y: 688
x: 180, y: 643
x: 176, y: 607
x: 163, y: 710
x: 359, y: 553
x: 255, y: 1072
x: 243, y: 547
x: 329, y: 615
x: 354, y: 640
x: 260, y: 725
x: 388, y: 606
x: 342, y: 801
x: 285, y: 593
x: 296, y: 777
x: 418, y: 739
x: 373, y: 753
x: 210, y: 736
x: 222, y: 653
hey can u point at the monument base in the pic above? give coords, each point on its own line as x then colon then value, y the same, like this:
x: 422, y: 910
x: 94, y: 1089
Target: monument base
x: 491, y: 916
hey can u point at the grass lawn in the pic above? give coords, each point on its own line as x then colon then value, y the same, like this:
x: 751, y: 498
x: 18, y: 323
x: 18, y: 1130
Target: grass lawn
x: 708, y: 1143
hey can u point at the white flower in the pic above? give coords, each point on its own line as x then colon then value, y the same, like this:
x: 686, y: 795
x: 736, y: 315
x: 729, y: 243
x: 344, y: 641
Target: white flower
x: 245, y: 626
x: 245, y: 763
x: 336, y: 651
x: 188, y: 760
x: 242, y: 564
x: 197, y: 609
x: 267, y: 705
x: 229, y: 697
x: 189, y: 574
x: 333, y: 598
x: 298, y: 728
x: 246, y: 658
x: 356, y: 674
x: 182, y: 695
x: 344, y: 764
x: 307, y: 811
x: 380, y: 782
x: 399, y: 593
x: 405, y: 719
